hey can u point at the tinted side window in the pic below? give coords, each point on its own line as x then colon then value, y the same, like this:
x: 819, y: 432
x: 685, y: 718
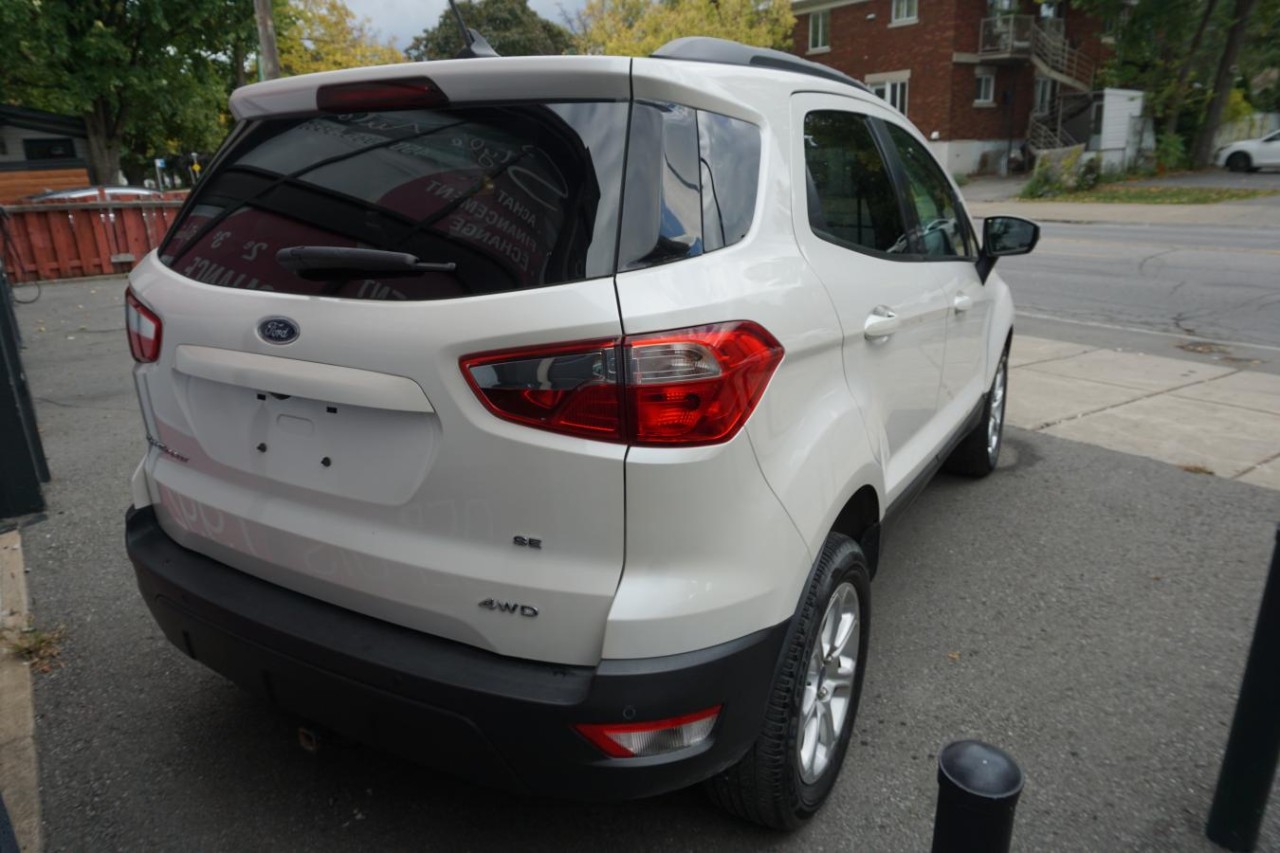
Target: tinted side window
x: 852, y: 201
x: 514, y: 196
x: 942, y: 230
x: 692, y: 179
x: 730, y: 151
x: 663, y: 217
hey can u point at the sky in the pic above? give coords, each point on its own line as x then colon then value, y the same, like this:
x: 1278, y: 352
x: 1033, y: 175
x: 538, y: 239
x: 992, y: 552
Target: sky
x: 401, y: 20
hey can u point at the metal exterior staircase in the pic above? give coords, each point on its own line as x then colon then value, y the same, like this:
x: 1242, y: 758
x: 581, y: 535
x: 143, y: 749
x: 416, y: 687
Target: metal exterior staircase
x: 1043, y: 41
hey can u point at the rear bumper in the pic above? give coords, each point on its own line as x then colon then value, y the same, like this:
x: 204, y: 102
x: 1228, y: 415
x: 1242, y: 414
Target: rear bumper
x: 496, y: 720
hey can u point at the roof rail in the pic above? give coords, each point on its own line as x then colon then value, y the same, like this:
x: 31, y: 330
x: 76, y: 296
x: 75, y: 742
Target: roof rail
x: 707, y: 49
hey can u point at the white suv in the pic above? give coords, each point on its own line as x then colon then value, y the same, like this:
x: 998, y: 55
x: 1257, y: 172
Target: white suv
x: 537, y: 417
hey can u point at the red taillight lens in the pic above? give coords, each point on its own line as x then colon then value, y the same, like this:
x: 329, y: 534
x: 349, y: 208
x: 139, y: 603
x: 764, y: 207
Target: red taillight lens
x: 697, y: 386
x: 633, y: 740
x: 687, y: 387
x: 570, y: 388
x: 404, y: 94
x: 144, y: 329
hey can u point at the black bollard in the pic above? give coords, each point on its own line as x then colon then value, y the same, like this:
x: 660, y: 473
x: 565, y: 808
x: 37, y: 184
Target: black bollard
x: 1249, y: 765
x: 978, y: 788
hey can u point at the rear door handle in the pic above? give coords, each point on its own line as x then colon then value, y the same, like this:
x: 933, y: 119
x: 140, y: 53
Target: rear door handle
x: 962, y: 303
x: 881, y: 323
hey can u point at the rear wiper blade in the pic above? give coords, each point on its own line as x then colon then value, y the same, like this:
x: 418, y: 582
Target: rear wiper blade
x: 326, y: 263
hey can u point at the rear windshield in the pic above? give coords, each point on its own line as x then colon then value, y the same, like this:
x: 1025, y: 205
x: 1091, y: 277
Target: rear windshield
x: 497, y: 198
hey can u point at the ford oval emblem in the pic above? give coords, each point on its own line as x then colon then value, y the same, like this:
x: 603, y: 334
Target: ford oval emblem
x: 278, y: 330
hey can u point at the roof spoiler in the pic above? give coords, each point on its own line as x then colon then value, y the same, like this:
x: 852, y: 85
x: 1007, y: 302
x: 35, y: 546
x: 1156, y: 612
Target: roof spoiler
x: 707, y: 49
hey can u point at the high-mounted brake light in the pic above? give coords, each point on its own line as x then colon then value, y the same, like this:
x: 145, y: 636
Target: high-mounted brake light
x: 403, y: 94
x: 634, y: 740
x: 144, y: 329
x: 685, y: 387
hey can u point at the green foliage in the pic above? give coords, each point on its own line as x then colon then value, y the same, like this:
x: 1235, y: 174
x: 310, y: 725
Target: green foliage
x: 510, y: 26
x: 1044, y: 182
x: 1059, y: 174
x: 639, y: 27
x: 147, y: 71
x: 1090, y: 174
x: 324, y: 35
x: 1171, y: 152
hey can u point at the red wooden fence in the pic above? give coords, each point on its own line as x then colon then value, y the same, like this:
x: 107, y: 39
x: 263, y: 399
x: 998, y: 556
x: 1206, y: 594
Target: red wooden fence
x: 57, y: 240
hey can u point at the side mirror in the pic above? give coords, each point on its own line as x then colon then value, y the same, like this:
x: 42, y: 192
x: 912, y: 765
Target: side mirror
x: 1003, y: 236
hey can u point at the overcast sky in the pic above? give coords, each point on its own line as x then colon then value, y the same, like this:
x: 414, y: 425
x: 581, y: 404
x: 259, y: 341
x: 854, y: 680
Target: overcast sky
x: 401, y: 20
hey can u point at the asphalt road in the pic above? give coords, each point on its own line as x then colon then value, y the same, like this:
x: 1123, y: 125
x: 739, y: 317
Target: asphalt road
x: 1154, y: 288
x: 1086, y: 610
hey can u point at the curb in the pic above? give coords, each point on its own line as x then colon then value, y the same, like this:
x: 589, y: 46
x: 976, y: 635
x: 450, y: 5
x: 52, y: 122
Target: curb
x: 19, y: 779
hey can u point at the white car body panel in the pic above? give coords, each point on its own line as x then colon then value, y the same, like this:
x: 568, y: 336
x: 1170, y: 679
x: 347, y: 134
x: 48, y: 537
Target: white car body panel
x: 647, y: 551
x: 452, y: 482
x: 1264, y: 152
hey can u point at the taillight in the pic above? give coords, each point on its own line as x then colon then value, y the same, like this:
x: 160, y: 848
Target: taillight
x: 634, y: 740
x: 685, y: 387
x: 569, y: 388
x: 144, y: 329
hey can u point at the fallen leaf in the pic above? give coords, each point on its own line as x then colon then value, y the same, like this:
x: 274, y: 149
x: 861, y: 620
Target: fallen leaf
x: 953, y: 656
x: 1192, y: 468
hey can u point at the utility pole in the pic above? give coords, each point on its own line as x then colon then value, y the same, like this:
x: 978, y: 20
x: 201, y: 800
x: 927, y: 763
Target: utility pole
x: 268, y: 58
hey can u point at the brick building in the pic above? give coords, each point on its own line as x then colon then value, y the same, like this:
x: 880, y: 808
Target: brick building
x: 978, y: 77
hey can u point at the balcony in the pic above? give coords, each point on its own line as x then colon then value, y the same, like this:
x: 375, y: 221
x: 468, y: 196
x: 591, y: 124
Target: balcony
x: 1043, y: 41
x: 1008, y: 36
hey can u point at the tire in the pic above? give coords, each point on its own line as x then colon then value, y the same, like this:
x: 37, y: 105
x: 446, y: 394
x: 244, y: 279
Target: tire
x: 789, y: 772
x: 1240, y: 162
x: 979, y: 451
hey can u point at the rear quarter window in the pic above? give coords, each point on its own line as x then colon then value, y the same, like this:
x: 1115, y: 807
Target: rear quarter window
x: 691, y: 187
x: 514, y: 197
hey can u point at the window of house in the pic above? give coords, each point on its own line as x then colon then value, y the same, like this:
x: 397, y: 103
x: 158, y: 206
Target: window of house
x: 851, y: 199
x: 1046, y: 94
x: 984, y: 87
x: 48, y: 149
x: 893, y: 91
x: 904, y: 11
x: 820, y: 31
x: 941, y: 229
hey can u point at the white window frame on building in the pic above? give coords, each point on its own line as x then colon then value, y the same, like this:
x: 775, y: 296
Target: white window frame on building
x: 904, y: 12
x: 820, y: 31
x: 1046, y: 94
x: 893, y: 87
x: 984, y: 87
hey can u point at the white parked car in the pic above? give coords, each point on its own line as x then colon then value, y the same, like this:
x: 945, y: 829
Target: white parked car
x: 536, y: 418
x: 1250, y: 155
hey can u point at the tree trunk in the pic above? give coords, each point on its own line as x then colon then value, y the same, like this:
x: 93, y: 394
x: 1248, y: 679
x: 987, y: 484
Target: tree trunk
x: 104, y: 148
x: 268, y: 57
x: 1184, y: 73
x: 1223, y: 83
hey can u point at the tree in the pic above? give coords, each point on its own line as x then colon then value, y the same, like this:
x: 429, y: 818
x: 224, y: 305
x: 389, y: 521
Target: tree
x: 510, y: 26
x: 145, y: 70
x: 1224, y: 82
x: 639, y: 27
x: 324, y: 35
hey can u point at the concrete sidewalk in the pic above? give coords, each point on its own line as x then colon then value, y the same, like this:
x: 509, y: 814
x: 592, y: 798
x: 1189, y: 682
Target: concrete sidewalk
x: 1202, y: 418
x: 1261, y: 212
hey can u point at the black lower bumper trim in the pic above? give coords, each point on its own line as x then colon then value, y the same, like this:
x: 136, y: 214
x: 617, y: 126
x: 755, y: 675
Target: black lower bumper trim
x: 496, y: 720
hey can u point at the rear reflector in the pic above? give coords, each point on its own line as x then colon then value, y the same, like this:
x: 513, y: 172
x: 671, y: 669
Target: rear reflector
x: 143, y: 327
x: 634, y: 740
x: 404, y: 94
x: 686, y: 387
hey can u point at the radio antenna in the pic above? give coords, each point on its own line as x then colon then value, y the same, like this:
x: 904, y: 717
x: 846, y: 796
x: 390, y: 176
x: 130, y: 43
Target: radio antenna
x: 474, y: 45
